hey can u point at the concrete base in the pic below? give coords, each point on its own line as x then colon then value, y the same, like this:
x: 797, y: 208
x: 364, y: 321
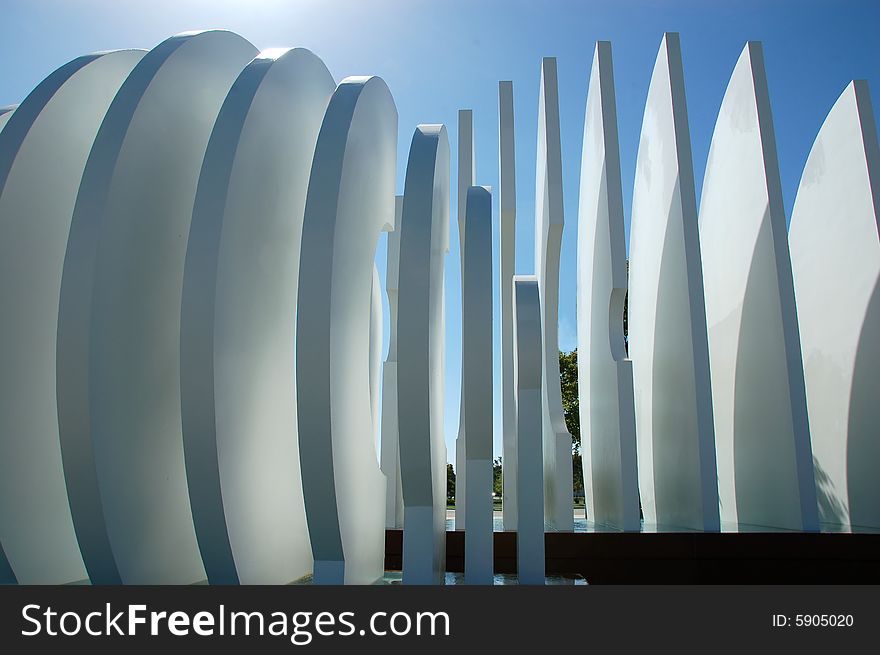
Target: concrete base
x: 684, y: 557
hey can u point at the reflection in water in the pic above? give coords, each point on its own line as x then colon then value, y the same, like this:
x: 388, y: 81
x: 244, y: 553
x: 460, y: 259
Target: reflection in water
x: 582, y: 525
x: 831, y: 509
x: 394, y: 577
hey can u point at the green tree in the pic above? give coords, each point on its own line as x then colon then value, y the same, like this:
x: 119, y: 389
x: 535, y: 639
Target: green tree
x: 496, y: 476
x: 568, y: 379
x: 450, y: 484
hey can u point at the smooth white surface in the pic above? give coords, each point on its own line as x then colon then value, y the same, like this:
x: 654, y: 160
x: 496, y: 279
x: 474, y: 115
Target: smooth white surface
x: 765, y: 468
x: 527, y: 377
x: 6, y: 114
x: 558, y: 492
x: 507, y: 201
x: 467, y: 167
x: 390, y: 457
x: 466, y: 177
x: 605, y: 386
x: 424, y: 242
x: 376, y: 335
x: 476, y: 347
x: 460, y: 477
x: 667, y: 325
x: 119, y: 319
x: 43, y: 151
x: 238, y: 326
x: 350, y: 200
x: 835, y: 256
x: 6, y: 574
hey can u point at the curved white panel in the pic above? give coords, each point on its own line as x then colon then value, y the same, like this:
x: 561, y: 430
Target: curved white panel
x: 6, y: 574
x: 6, y: 114
x: 667, y: 327
x: 238, y: 323
x: 119, y: 321
x: 423, y: 229
x: 390, y: 457
x: 476, y: 349
x: 605, y: 386
x: 765, y: 471
x: 43, y: 150
x: 527, y: 365
x: 350, y: 200
x: 467, y: 166
x: 558, y: 491
x: 835, y: 256
x: 507, y: 201
x: 375, y: 357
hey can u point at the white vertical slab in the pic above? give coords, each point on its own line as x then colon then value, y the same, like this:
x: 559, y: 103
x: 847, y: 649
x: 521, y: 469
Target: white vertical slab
x: 765, y: 466
x: 835, y: 256
x: 390, y: 457
x: 6, y: 574
x: 460, y: 477
x: 467, y: 168
x: 350, y: 200
x: 423, y: 244
x: 6, y: 114
x: 476, y: 346
x: 667, y: 325
x: 376, y: 334
x: 238, y: 323
x: 558, y: 491
x: 527, y: 365
x: 467, y: 164
x: 119, y: 320
x: 43, y: 150
x: 507, y: 177
x: 605, y: 384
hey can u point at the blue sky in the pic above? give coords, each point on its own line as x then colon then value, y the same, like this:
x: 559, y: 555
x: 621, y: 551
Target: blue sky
x: 443, y: 55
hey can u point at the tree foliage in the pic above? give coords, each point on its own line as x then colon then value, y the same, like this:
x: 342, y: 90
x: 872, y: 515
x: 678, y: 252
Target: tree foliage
x: 450, y: 483
x: 568, y: 379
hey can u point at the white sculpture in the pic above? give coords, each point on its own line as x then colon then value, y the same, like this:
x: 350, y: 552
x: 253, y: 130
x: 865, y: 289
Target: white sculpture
x: 43, y: 150
x: 6, y: 114
x: 476, y: 348
x: 467, y: 166
x: 238, y: 323
x: 192, y: 326
x: 765, y: 466
x: 6, y: 574
x: 835, y: 256
x: 558, y: 508
x: 529, y: 417
x: 507, y: 200
x: 605, y: 383
x: 667, y: 327
x: 119, y: 319
x: 424, y: 241
x: 390, y: 456
x: 376, y: 335
x: 350, y: 200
